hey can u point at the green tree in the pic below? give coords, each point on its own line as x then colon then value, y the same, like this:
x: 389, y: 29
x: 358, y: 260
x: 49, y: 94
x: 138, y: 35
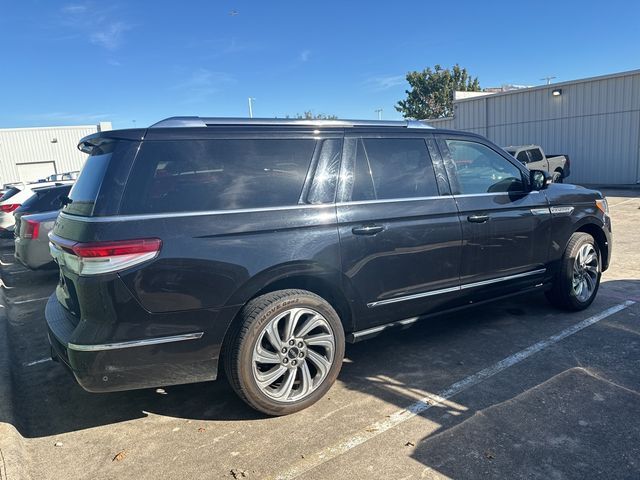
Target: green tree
x: 309, y: 115
x: 431, y: 94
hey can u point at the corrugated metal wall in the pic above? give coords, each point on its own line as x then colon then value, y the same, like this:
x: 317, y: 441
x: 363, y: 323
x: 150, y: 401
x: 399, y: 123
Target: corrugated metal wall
x: 447, y: 122
x: 595, y: 121
x: 30, y: 145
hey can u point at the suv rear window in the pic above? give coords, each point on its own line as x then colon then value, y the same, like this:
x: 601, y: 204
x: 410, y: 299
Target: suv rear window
x: 9, y: 193
x: 221, y: 174
x: 46, y: 199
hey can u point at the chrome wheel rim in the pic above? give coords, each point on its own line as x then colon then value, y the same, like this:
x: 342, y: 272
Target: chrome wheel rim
x: 586, y: 269
x: 293, y: 354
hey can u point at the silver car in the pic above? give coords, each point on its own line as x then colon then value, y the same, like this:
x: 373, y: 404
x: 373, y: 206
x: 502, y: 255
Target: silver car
x: 32, y: 241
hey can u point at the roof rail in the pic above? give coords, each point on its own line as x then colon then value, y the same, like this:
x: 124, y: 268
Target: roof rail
x: 211, y: 121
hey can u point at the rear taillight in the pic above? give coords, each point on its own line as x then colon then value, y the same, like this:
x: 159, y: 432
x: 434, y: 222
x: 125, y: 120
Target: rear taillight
x: 96, y: 258
x: 9, y: 207
x: 31, y: 229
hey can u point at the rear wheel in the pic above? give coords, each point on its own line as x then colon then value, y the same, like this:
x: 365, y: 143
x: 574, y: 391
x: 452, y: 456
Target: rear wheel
x: 578, y: 280
x: 286, y: 352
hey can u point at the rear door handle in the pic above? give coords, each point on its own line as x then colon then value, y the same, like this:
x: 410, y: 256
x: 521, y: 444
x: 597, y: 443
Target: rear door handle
x: 478, y: 218
x: 367, y: 229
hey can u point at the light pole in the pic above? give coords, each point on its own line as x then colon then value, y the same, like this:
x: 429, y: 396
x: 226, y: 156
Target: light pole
x: 251, y: 100
x: 379, y: 112
x: 548, y: 79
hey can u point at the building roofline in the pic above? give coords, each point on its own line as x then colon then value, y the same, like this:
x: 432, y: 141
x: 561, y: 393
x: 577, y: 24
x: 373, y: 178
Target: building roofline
x: 62, y: 127
x: 552, y: 85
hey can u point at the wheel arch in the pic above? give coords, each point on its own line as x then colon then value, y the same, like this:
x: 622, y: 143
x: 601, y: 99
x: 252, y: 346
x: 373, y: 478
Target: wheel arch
x: 595, y: 230
x: 311, y: 276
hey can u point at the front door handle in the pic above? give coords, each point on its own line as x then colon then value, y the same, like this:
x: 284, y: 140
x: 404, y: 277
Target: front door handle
x: 478, y: 218
x: 367, y: 229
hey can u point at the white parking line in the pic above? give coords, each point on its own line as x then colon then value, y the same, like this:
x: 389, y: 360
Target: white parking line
x: 20, y: 302
x: 314, y: 460
x: 36, y: 362
x: 623, y: 202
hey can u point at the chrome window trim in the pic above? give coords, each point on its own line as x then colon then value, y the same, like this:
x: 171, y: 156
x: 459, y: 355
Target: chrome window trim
x: 148, y: 216
x: 458, y: 195
x: 134, y: 343
x: 456, y: 288
x: 393, y: 200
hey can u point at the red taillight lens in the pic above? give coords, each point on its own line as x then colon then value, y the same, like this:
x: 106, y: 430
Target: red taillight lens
x: 9, y: 207
x: 114, y: 249
x: 31, y: 229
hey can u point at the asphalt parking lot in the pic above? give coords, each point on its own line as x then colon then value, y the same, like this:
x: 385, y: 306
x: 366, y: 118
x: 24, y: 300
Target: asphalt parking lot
x: 511, y: 390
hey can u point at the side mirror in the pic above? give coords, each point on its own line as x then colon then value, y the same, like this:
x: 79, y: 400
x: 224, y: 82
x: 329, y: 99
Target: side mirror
x: 539, y: 179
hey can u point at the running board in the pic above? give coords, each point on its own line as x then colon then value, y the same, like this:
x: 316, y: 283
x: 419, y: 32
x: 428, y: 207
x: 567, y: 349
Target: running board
x: 360, y: 335
x: 374, y: 331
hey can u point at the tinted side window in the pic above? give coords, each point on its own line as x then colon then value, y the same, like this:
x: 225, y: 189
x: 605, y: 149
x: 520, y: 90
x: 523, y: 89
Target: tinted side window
x: 523, y: 157
x: 388, y: 168
x: 200, y: 175
x: 536, y: 155
x: 480, y: 169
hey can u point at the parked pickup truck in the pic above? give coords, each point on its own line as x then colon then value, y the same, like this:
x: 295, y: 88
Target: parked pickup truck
x: 534, y: 158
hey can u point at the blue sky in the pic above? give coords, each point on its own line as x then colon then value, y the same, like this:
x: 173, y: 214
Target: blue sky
x: 125, y: 62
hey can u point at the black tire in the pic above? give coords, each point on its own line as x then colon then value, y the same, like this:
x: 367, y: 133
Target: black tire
x: 563, y: 294
x: 239, y: 350
x: 558, y: 176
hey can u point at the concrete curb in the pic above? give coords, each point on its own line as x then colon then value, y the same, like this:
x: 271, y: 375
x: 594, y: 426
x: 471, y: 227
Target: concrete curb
x: 13, y: 452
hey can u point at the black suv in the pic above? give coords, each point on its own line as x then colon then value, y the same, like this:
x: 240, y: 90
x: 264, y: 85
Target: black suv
x: 264, y: 245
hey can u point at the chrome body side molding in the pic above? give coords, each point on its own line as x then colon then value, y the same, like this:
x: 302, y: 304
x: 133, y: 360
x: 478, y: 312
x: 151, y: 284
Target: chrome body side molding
x: 456, y: 288
x: 135, y: 343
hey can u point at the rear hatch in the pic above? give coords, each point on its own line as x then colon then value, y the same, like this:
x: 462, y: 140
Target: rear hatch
x: 96, y: 194
x: 46, y: 199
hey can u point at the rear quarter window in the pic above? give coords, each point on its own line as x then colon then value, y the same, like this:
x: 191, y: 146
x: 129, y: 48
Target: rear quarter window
x: 220, y: 174
x: 85, y: 191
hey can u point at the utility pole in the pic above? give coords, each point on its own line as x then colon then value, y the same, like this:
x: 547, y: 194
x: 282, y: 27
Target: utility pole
x: 379, y: 112
x: 548, y: 79
x: 251, y: 100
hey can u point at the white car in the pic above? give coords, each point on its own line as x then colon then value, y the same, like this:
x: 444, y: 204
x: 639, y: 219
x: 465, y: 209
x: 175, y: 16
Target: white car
x: 13, y: 198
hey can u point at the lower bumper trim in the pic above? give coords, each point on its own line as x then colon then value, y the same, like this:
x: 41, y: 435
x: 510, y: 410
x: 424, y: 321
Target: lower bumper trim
x: 135, y: 343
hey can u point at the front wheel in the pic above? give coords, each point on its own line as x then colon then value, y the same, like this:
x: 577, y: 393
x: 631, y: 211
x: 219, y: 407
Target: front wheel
x: 286, y: 352
x: 578, y: 280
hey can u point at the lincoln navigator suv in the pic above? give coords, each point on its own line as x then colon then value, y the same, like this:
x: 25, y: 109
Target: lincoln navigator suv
x: 262, y: 246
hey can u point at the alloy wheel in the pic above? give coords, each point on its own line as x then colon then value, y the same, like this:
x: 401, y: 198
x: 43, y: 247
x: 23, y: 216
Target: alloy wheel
x: 293, y: 354
x: 586, y: 269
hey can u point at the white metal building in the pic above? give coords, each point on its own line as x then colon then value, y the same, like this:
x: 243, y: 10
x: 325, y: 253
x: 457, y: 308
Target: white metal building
x: 29, y: 154
x: 596, y: 121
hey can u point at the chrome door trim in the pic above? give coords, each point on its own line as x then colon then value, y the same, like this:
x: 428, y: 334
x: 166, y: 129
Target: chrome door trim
x: 135, y: 343
x: 456, y: 288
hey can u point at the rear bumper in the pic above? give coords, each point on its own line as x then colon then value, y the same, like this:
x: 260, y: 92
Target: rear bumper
x: 183, y: 357
x: 33, y: 254
x: 7, y: 222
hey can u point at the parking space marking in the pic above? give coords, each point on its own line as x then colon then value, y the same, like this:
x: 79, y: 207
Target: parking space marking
x: 36, y: 362
x: 623, y: 202
x: 315, y: 460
